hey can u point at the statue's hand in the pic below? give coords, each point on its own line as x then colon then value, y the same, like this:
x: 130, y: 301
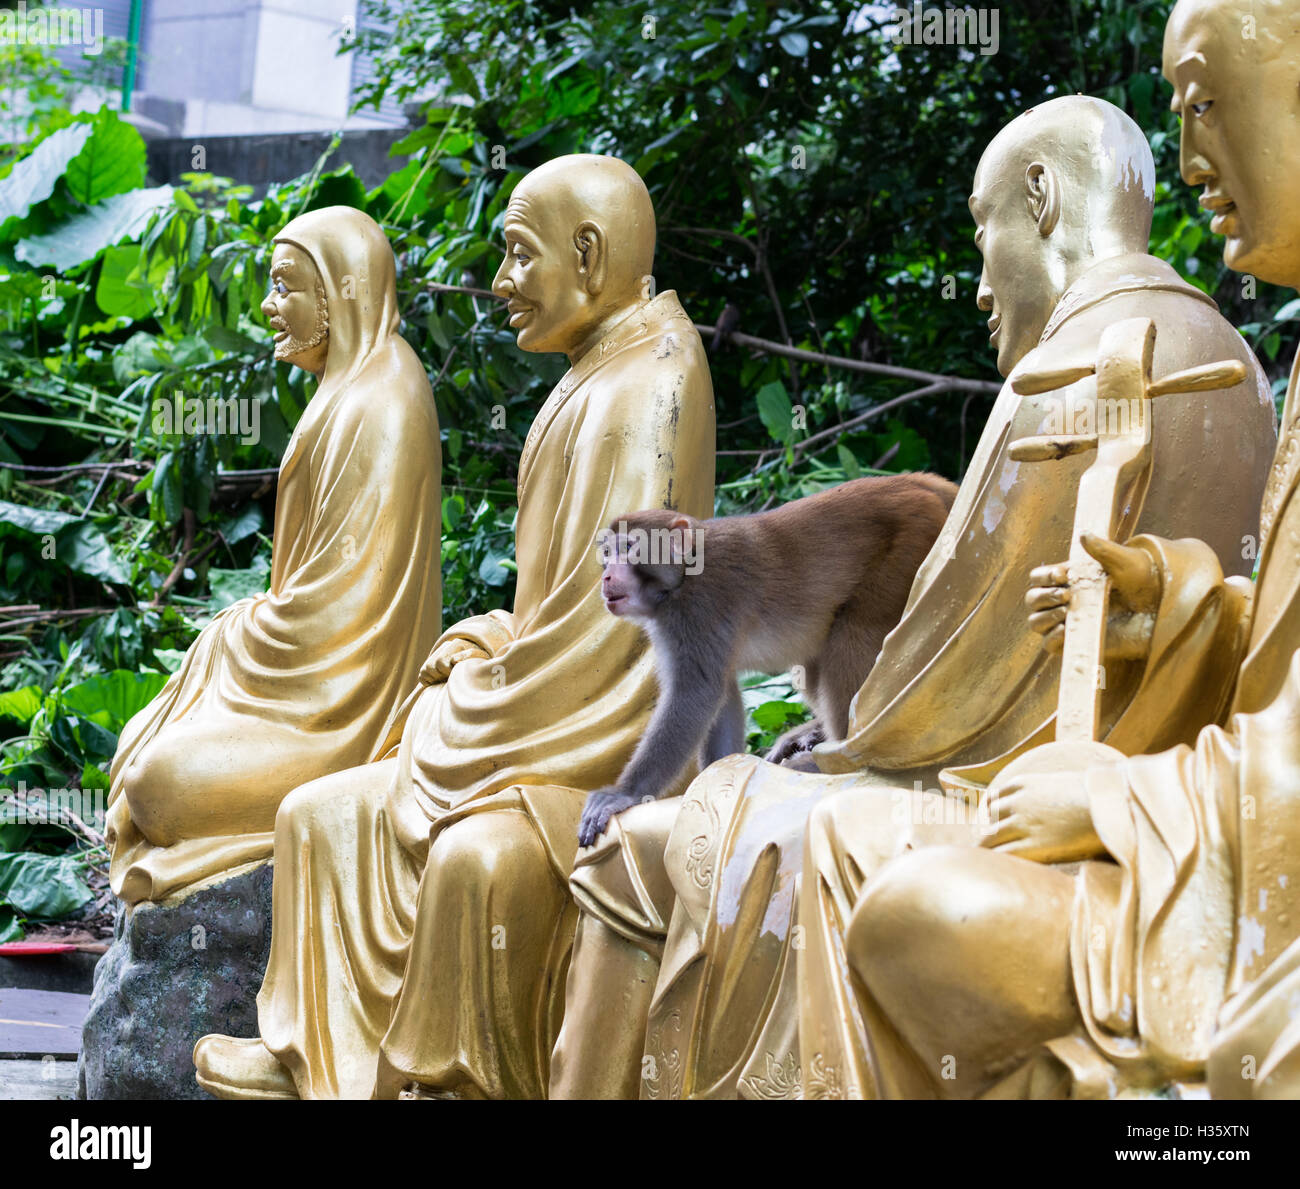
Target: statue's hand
x: 1134, y: 596
x: 600, y: 807
x: 437, y: 668
x: 1043, y: 816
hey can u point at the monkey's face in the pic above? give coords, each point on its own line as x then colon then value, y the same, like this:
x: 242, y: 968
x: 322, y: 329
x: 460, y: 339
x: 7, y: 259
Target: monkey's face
x: 632, y: 591
x: 640, y: 570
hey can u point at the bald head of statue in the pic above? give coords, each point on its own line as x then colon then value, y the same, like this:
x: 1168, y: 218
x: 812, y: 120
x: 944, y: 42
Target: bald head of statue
x: 1235, y: 69
x: 580, y: 243
x: 1065, y: 185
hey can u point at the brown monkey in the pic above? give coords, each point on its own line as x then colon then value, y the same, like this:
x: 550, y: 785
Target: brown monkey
x: 818, y: 582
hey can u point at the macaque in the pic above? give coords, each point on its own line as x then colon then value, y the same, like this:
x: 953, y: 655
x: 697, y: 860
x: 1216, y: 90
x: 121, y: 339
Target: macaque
x: 813, y: 586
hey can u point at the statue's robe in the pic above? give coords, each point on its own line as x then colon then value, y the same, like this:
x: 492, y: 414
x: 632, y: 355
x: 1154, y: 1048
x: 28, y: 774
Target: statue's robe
x: 1184, y: 944
x: 961, y: 679
x: 309, y: 676
x: 422, y: 922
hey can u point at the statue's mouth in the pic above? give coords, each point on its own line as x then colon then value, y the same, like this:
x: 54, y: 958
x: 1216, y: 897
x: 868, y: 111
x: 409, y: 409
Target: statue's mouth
x: 519, y: 314
x: 1223, y: 209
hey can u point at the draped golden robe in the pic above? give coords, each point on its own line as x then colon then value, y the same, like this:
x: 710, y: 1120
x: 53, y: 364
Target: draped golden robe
x: 307, y: 677
x: 1184, y: 945
x: 422, y: 922
x: 960, y: 679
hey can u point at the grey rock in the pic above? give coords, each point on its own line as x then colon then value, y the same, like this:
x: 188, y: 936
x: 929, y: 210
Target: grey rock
x: 173, y: 974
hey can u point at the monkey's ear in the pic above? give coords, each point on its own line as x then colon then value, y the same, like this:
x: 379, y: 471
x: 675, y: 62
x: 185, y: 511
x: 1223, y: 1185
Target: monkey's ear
x: 679, y: 536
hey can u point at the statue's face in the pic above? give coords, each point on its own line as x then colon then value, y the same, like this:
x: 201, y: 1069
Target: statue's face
x: 1240, y: 136
x: 550, y: 308
x: 296, y: 309
x: 1016, y: 287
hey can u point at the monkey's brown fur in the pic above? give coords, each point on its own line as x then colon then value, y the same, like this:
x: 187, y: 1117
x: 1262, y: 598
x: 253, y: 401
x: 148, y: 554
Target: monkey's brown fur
x: 817, y: 583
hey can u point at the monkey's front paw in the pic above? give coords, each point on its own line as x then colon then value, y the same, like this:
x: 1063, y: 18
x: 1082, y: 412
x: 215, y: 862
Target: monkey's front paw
x: 600, y: 807
x: 796, y: 742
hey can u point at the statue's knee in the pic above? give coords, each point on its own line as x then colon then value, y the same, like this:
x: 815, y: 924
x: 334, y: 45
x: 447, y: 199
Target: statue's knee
x: 153, y: 785
x: 480, y: 849
x: 298, y: 811
x: 906, y: 910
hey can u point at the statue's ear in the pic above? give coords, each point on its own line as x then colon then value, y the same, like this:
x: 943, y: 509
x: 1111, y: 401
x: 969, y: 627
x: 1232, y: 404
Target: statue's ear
x: 1043, y: 190
x: 589, y: 239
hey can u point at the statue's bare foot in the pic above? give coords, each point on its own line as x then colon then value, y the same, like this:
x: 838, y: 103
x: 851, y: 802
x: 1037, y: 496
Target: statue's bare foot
x: 233, y: 1068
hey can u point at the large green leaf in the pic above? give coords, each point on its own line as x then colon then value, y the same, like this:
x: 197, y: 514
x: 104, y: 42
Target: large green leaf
x: 42, y: 885
x: 229, y: 586
x: 34, y: 520
x: 78, y: 544
x: 83, y: 237
x: 111, y: 162
x: 21, y: 704
x: 33, y: 179
x: 776, y: 411
x: 10, y: 929
x: 113, y: 699
x: 492, y: 570
x: 118, y: 291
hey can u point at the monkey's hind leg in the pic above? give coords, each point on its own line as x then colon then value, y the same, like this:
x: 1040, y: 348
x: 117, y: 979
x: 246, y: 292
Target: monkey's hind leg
x: 846, y: 658
x: 726, y: 736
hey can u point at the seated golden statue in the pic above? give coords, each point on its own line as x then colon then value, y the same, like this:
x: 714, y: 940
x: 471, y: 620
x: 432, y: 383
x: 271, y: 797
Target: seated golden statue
x: 696, y: 941
x: 422, y: 921
x: 308, y: 677
x: 1171, y: 952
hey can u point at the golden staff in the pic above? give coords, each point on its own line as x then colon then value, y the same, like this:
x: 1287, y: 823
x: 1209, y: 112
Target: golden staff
x: 1111, y: 490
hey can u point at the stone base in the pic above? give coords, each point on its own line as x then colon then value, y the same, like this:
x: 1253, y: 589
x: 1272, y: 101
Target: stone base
x: 175, y: 972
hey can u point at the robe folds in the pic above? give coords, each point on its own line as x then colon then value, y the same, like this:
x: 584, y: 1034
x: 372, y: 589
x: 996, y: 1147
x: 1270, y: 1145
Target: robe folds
x: 1184, y: 944
x: 961, y: 686
x: 422, y: 922
x: 1184, y: 948
x: 309, y: 676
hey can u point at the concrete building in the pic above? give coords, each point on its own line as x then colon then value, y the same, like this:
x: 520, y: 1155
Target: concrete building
x: 210, y: 68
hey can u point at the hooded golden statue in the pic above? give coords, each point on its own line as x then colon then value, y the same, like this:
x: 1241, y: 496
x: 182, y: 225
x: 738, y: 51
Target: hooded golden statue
x: 307, y: 677
x: 1062, y: 203
x: 1170, y: 952
x: 422, y: 920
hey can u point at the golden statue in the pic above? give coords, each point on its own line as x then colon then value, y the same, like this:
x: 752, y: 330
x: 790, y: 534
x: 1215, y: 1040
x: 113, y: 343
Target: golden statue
x: 308, y: 677
x: 700, y: 936
x: 1134, y: 923
x: 422, y: 921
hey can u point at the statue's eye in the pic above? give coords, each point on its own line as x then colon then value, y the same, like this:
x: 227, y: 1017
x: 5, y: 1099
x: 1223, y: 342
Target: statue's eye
x: 1199, y: 109
x: 522, y: 258
x: 280, y: 288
